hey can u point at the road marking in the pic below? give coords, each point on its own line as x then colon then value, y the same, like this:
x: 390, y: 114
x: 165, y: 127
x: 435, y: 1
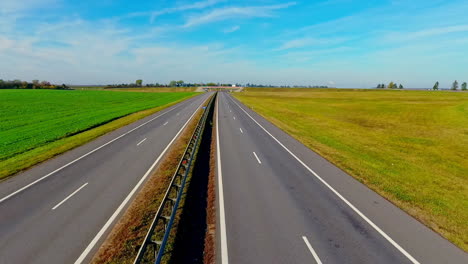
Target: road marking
x: 165, y: 123
x: 230, y: 111
x: 234, y: 117
x: 141, y: 142
x: 255, y: 154
x: 178, y: 113
x: 83, y: 156
x: 69, y: 196
x: 241, y: 130
x: 380, y: 231
x: 129, y: 196
x: 316, y: 257
x: 222, y: 217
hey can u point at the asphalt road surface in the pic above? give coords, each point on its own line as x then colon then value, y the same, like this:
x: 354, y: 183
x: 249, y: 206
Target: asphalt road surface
x: 61, y: 210
x: 279, y: 202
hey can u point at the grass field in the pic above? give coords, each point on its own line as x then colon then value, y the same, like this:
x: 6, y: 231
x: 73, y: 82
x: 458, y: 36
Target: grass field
x: 32, y: 119
x: 409, y: 146
x: 155, y: 89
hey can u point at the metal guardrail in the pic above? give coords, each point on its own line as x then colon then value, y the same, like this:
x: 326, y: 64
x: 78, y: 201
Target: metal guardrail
x: 152, y: 249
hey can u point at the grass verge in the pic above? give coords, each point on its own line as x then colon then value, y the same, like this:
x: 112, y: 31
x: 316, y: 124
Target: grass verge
x: 127, y: 235
x: 209, y: 254
x: 25, y: 160
x: 408, y: 146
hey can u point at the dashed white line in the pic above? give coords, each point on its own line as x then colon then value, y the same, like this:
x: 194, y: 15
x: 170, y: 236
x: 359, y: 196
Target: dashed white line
x: 101, y: 232
x: 357, y: 211
x: 165, y: 123
x: 241, y: 130
x: 141, y: 142
x: 255, y: 154
x: 69, y: 196
x: 234, y: 117
x: 314, y: 254
x: 222, y: 217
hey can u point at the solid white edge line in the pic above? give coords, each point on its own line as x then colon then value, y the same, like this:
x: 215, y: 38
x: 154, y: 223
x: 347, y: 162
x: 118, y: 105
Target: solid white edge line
x: 129, y: 196
x: 380, y: 231
x: 83, y: 156
x: 255, y: 154
x: 141, y: 142
x: 311, y: 249
x: 69, y: 196
x: 222, y: 217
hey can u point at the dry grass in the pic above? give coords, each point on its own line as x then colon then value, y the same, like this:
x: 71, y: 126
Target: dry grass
x: 409, y: 146
x: 120, y: 246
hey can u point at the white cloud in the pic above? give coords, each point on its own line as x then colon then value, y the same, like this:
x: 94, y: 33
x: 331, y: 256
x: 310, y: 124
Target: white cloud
x: 309, y: 41
x: 425, y: 33
x: 231, y: 29
x: 235, y: 12
x: 193, y: 6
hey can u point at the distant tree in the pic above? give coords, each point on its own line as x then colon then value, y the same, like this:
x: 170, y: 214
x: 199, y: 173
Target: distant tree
x: 173, y: 84
x: 45, y: 84
x: 463, y: 86
x: 211, y: 84
x: 139, y: 82
x: 391, y: 85
x: 436, y: 86
x: 382, y: 85
x: 400, y: 87
x: 180, y: 83
x: 455, y: 85
x: 379, y: 85
x: 35, y: 84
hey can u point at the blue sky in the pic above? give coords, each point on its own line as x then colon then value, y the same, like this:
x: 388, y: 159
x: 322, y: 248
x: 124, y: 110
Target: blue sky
x: 339, y: 43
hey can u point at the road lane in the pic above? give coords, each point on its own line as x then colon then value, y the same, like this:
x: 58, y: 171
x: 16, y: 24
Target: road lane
x: 270, y: 208
x: 32, y: 233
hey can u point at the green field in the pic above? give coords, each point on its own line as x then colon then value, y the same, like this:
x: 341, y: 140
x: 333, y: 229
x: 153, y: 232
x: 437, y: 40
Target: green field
x: 155, y: 89
x: 409, y: 146
x: 31, y: 119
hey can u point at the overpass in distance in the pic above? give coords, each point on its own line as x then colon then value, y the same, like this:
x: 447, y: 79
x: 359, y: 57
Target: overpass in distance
x: 220, y: 88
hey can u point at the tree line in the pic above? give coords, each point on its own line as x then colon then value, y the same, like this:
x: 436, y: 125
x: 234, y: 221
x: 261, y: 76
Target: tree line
x: 181, y: 83
x: 391, y: 85
x: 35, y: 84
x: 454, y: 86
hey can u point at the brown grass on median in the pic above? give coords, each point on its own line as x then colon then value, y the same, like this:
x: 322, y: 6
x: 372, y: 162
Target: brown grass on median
x: 120, y: 246
x: 209, y: 255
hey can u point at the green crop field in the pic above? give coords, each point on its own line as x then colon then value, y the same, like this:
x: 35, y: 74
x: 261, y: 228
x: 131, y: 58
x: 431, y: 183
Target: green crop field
x: 409, y: 146
x: 30, y: 119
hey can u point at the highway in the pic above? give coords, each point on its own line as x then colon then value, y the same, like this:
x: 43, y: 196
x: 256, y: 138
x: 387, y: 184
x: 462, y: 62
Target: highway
x: 280, y: 202
x: 61, y: 210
